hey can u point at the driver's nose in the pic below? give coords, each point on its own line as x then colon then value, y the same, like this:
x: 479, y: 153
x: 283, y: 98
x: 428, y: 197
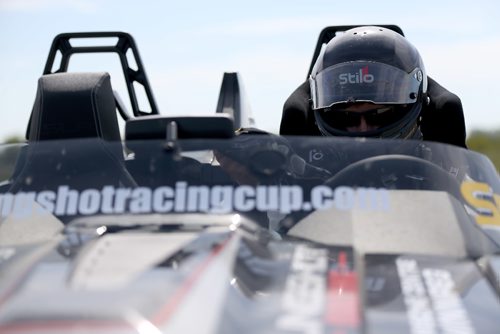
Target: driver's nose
x: 363, y: 126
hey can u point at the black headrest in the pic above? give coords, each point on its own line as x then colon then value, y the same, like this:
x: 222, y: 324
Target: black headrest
x: 74, y: 105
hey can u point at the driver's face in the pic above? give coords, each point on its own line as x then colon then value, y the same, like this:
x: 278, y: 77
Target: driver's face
x: 364, y: 124
x: 362, y: 116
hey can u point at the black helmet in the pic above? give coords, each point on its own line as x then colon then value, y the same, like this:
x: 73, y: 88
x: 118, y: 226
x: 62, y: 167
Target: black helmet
x: 373, y: 65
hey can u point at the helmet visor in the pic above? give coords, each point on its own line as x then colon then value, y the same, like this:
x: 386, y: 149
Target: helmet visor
x: 364, y: 82
x: 377, y: 117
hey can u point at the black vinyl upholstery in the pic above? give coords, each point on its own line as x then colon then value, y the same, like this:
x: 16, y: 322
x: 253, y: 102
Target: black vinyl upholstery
x: 74, y: 105
x: 74, y: 138
x: 443, y: 119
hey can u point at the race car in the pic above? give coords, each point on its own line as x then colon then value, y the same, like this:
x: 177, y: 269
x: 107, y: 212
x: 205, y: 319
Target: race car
x: 185, y: 226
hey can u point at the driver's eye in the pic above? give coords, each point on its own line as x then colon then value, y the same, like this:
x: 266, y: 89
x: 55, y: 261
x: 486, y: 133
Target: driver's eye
x: 341, y: 118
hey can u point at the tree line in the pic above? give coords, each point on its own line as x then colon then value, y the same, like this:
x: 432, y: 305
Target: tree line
x: 486, y: 142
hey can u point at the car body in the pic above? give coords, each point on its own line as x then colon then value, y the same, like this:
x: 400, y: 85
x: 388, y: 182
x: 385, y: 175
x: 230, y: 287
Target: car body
x: 184, y: 227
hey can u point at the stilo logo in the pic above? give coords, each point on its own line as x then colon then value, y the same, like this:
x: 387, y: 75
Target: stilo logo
x: 359, y: 77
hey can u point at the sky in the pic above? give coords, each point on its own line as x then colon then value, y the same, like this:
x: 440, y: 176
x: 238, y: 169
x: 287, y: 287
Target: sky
x: 186, y: 46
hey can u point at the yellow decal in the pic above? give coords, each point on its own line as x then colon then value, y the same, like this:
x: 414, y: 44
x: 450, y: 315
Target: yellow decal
x: 480, y: 196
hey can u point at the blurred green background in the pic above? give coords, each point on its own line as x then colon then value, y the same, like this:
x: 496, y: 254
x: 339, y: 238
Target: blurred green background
x: 486, y: 142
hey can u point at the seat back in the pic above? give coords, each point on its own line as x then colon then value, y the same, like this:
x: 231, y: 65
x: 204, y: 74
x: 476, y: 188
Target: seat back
x: 74, y: 105
x: 74, y: 139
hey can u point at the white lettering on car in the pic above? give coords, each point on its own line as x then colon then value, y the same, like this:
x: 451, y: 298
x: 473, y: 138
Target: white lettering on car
x: 448, y: 307
x: 283, y: 199
x: 305, y: 292
x: 432, y: 302
x: 419, y: 311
